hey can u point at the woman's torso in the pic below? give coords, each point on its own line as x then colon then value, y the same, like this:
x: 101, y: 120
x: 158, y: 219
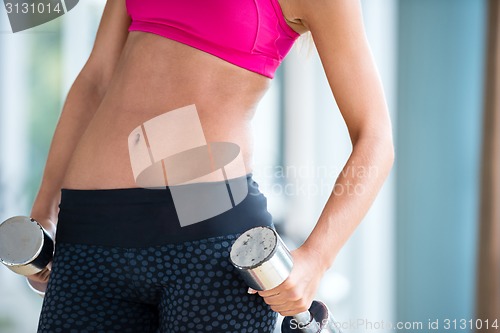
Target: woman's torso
x: 156, y: 75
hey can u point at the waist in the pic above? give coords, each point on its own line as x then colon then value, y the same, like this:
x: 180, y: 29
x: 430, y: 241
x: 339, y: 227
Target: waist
x: 114, y: 157
x: 140, y: 217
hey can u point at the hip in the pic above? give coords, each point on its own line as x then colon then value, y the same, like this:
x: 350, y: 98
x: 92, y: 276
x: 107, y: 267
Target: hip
x: 140, y: 217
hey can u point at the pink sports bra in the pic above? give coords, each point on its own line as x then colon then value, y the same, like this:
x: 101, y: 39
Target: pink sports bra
x: 251, y: 34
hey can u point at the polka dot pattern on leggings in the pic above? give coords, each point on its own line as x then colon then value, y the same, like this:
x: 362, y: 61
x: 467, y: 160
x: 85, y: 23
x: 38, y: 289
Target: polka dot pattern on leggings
x: 186, y: 287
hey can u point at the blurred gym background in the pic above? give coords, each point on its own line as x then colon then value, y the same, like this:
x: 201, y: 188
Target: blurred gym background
x: 428, y: 249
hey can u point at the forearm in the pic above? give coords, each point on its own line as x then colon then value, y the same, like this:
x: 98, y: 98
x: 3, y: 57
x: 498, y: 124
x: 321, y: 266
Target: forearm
x: 81, y: 103
x: 353, y: 194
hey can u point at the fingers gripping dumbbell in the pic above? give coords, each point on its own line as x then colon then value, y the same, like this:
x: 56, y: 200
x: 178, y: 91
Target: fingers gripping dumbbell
x: 264, y: 262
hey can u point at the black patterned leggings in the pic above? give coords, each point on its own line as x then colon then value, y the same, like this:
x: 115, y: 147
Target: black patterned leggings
x: 188, y: 287
x: 181, y: 286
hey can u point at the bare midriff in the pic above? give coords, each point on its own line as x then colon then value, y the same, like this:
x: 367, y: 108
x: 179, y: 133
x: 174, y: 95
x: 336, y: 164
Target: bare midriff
x: 156, y: 75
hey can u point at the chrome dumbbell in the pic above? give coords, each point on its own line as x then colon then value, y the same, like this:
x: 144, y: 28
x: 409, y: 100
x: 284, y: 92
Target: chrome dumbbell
x: 264, y: 262
x: 25, y: 248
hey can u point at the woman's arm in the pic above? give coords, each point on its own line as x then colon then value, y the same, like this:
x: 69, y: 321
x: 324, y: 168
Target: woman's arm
x: 81, y: 103
x: 338, y: 32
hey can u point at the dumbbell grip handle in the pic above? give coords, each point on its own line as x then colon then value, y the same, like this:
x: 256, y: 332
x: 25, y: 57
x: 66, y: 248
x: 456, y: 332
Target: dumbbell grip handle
x: 303, y: 317
x: 307, y: 322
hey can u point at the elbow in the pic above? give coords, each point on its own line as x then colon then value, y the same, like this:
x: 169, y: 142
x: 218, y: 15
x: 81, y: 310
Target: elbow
x: 391, y: 153
x: 385, y: 149
x: 384, y: 144
x: 92, y: 79
x: 383, y: 155
x: 97, y: 75
x: 377, y: 147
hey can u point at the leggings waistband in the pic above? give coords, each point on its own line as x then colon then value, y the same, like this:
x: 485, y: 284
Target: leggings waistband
x: 141, y: 217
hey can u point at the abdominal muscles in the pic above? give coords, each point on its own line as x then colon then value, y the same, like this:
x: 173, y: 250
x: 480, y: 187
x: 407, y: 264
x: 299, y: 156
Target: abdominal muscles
x: 159, y: 123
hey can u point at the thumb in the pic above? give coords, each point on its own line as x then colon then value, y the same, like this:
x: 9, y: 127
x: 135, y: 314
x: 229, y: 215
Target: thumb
x: 251, y: 291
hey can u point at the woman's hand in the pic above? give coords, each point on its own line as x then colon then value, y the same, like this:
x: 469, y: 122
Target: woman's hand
x: 39, y: 282
x: 42, y: 278
x: 296, y: 293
